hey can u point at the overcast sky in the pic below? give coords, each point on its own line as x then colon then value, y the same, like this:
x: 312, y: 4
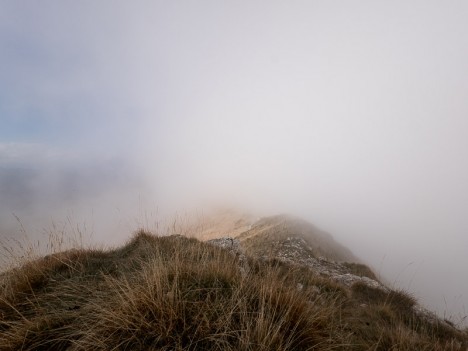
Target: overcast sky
x: 351, y: 114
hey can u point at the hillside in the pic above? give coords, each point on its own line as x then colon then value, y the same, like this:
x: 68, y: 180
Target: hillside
x: 268, y: 235
x: 276, y: 283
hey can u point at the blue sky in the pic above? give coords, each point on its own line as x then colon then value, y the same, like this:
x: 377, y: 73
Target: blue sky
x: 350, y: 114
x: 58, y: 88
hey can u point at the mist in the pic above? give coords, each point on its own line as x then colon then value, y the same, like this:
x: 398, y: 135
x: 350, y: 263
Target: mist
x: 351, y: 115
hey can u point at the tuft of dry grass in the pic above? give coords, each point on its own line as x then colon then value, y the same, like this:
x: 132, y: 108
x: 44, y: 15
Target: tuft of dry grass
x: 390, y: 315
x: 177, y: 293
x: 170, y: 293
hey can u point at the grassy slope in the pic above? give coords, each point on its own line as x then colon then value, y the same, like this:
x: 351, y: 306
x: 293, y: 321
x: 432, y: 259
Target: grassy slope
x: 174, y: 293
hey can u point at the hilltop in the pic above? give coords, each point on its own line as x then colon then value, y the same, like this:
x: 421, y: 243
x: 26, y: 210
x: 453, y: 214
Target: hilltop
x: 274, y: 283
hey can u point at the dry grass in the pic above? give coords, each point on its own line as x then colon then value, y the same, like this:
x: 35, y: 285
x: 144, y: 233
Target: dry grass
x: 390, y: 316
x: 175, y: 293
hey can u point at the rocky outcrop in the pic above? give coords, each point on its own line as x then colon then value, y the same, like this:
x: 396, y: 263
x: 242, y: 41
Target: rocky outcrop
x: 234, y: 247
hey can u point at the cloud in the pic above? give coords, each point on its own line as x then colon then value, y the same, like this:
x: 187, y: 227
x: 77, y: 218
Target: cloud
x: 21, y: 152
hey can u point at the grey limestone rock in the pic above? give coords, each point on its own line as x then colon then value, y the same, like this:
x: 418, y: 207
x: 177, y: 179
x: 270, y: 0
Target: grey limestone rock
x: 234, y: 247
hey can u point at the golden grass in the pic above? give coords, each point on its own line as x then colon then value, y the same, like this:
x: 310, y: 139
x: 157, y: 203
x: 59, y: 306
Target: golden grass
x: 175, y: 293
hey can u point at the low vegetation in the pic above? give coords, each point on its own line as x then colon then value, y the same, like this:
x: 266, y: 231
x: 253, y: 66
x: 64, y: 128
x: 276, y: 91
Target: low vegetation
x: 176, y: 293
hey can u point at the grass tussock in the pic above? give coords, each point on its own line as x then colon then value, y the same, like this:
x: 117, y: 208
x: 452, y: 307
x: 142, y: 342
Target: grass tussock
x: 175, y: 293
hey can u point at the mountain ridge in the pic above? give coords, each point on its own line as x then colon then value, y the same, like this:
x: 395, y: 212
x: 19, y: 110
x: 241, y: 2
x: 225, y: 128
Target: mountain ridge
x: 277, y: 283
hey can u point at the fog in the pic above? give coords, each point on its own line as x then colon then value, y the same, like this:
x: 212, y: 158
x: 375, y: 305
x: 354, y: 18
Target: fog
x: 352, y: 115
